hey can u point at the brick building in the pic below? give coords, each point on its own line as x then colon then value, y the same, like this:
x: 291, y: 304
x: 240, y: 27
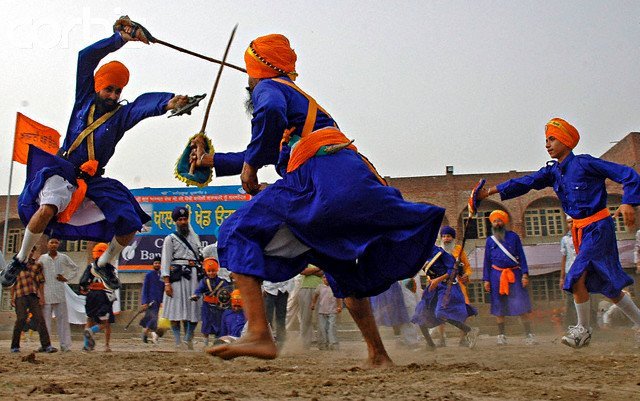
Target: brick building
x: 537, y: 217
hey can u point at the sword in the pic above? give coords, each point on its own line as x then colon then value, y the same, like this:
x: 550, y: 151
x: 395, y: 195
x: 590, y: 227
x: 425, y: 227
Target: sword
x: 138, y: 314
x: 148, y: 37
x: 472, y: 207
x: 215, y: 88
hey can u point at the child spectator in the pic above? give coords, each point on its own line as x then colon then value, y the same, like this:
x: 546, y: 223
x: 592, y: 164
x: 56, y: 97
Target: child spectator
x: 216, y: 294
x: 328, y: 308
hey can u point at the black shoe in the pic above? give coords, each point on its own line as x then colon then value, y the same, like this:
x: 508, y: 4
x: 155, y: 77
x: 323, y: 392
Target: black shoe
x: 49, y: 350
x: 9, y: 275
x: 108, y: 275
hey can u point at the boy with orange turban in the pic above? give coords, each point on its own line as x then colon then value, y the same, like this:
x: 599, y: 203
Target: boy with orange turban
x: 233, y: 320
x: 216, y: 297
x: 98, y: 303
x: 330, y: 208
x: 506, y: 276
x: 579, y: 182
x: 58, y: 186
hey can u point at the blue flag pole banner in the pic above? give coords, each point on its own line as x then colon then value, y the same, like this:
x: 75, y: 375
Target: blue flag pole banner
x: 208, y: 208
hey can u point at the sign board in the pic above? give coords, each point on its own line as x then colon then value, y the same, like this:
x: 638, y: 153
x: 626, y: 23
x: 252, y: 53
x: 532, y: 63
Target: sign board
x: 208, y: 208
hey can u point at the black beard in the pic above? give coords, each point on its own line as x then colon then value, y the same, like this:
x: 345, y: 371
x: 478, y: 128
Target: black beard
x: 184, y: 230
x: 248, y: 103
x: 498, y: 232
x: 104, y: 105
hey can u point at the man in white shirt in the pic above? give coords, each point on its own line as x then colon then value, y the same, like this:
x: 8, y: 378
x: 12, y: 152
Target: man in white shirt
x: 54, y: 266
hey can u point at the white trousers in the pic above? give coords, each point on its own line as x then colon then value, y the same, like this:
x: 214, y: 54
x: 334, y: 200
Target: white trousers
x: 62, y: 321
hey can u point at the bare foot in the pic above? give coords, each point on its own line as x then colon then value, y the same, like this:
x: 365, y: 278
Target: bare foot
x: 257, y: 347
x: 379, y: 361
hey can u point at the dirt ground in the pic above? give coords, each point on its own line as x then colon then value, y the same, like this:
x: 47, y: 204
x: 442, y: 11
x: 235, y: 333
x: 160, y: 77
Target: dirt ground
x: 609, y: 369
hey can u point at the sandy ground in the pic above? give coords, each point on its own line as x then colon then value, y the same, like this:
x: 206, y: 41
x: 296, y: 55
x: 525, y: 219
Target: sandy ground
x: 609, y: 369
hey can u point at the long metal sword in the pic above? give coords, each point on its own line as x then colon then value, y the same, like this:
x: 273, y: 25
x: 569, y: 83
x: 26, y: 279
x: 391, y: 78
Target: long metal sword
x: 215, y: 88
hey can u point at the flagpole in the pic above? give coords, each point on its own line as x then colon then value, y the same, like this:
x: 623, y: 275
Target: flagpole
x: 7, y: 204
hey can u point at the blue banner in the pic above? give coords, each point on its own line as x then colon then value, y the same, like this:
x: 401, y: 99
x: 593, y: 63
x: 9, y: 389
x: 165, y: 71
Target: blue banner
x: 208, y: 208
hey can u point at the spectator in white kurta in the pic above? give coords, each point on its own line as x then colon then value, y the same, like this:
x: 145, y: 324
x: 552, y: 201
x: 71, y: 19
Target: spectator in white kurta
x: 180, y: 255
x: 54, y: 266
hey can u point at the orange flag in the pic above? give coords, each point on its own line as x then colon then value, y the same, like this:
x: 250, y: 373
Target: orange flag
x: 29, y: 132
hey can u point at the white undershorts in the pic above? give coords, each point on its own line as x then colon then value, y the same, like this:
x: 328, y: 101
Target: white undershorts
x: 284, y: 244
x: 57, y: 192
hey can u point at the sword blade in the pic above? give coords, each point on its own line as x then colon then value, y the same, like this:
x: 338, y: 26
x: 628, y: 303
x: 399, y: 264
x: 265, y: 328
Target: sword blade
x: 202, y: 56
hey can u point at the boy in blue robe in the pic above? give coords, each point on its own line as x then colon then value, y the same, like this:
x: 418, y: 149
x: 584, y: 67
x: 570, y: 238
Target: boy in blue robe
x: 579, y: 183
x: 233, y: 319
x: 216, y: 296
x: 66, y: 195
x: 330, y: 208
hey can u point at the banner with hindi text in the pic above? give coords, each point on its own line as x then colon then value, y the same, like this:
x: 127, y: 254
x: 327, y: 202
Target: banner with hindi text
x: 208, y: 208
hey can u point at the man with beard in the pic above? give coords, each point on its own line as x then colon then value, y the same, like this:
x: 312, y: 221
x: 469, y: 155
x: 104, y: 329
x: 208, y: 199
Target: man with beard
x: 180, y: 255
x: 448, y: 236
x: 330, y: 208
x: 506, y: 276
x: 66, y: 195
x: 579, y: 182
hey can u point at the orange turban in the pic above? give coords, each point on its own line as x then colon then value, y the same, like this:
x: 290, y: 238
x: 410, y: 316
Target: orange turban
x: 210, y: 264
x: 499, y: 214
x: 562, y: 131
x: 113, y: 73
x: 270, y: 56
x: 98, y: 250
x: 236, y: 298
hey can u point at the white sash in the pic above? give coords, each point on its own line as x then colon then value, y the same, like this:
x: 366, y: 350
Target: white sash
x: 503, y: 249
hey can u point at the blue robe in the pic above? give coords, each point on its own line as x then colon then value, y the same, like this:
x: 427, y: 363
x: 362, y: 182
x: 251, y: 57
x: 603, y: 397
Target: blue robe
x: 363, y: 234
x: 579, y: 182
x: 123, y: 214
x: 431, y: 311
x: 389, y: 308
x: 232, y: 323
x: 211, y: 314
x: 518, y: 301
x: 152, y: 291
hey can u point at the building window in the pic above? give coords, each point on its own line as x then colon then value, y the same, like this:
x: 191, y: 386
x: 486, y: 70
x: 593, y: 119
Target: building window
x: 548, y: 222
x: 130, y: 296
x: 545, y: 287
x: 479, y: 227
x: 14, y: 240
x: 619, y: 221
x: 73, y: 246
x: 477, y: 294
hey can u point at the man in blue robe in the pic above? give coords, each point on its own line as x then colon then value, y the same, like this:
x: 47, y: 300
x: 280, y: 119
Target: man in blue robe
x: 65, y: 195
x: 330, y: 208
x: 579, y: 182
x: 506, y: 276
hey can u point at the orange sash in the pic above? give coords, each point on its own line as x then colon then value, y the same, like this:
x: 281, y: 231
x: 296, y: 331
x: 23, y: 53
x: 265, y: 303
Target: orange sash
x: 309, y: 145
x: 579, y: 224
x: 97, y: 286
x: 507, y: 276
x: 211, y: 299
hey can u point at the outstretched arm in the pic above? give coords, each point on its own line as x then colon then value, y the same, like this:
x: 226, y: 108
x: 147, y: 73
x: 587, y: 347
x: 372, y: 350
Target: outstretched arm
x: 519, y: 186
